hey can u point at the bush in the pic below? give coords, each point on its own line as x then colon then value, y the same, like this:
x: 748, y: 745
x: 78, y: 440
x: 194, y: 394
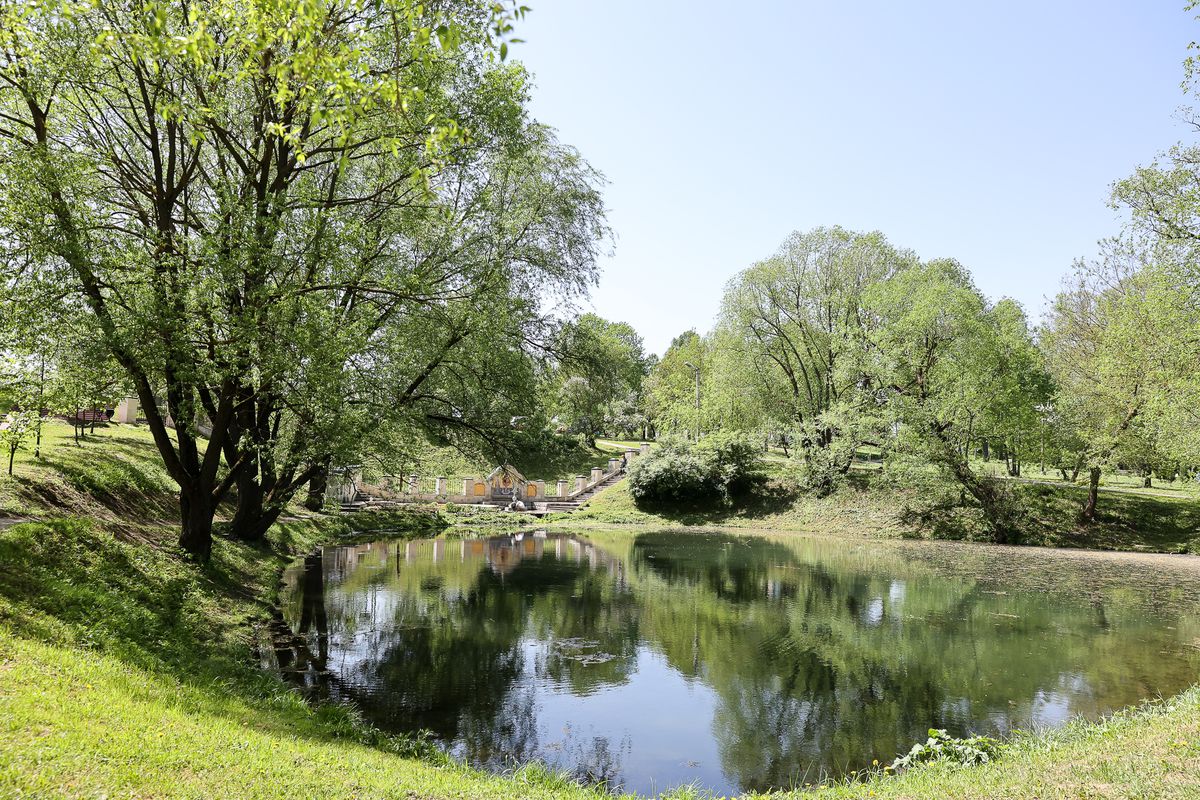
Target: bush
x: 942, y: 747
x: 717, y: 469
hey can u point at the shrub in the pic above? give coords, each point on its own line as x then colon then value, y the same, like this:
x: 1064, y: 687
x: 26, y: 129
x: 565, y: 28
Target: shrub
x: 824, y: 450
x: 715, y: 470
x: 942, y: 747
x: 733, y: 463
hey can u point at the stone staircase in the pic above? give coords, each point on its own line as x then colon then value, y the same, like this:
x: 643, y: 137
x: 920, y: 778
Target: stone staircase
x: 556, y: 506
x: 551, y: 505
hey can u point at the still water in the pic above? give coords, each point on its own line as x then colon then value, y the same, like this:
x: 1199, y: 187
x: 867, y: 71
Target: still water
x: 735, y: 662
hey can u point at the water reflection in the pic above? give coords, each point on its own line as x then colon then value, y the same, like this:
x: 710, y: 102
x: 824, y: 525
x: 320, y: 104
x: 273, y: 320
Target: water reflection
x: 739, y: 662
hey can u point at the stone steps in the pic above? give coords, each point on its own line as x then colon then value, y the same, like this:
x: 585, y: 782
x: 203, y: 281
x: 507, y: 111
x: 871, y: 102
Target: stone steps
x: 548, y: 506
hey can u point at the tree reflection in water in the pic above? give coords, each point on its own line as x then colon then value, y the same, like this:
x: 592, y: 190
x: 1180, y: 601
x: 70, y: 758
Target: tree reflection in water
x: 781, y: 659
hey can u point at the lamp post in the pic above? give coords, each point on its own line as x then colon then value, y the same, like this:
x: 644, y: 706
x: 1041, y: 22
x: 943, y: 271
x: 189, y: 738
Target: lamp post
x: 696, y: 373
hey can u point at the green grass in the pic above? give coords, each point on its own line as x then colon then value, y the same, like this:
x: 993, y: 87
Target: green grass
x: 127, y: 672
x: 856, y: 511
x: 114, y: 474
x: 1125, y: 520
x: 551, y: 459
x: 1110, y: 480
x: 566, y: 461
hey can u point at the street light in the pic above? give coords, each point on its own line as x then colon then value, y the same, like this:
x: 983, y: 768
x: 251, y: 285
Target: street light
x: 696, y: 372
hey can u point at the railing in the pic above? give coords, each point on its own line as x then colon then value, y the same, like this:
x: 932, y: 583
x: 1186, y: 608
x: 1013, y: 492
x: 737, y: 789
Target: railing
x: 347, y: 482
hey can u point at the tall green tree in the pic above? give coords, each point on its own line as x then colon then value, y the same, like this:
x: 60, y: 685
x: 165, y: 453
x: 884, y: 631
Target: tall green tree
x: 671, y: 387
x: 217, y: 187
x: 794, y: 324
x: 598, y: 365
x: 1112, y: 341
x: 934, y: 351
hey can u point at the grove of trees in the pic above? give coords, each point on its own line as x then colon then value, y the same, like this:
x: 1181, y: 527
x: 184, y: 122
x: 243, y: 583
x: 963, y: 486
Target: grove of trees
x: 842, y: 342
x: 298, y: 231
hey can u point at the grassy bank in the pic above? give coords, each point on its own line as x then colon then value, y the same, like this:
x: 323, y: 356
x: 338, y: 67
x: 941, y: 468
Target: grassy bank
x: 545, y: 457
x: 126, y: 672
x: 1126, y: 520
x: 113, y: 475
x: 1151, y: 752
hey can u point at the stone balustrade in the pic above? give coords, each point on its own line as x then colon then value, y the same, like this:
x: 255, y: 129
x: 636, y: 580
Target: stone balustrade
x: 410, y: 488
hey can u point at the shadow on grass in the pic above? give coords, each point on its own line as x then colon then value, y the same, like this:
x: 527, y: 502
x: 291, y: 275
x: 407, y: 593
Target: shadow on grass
x: 1124, y: 521
x: 67, y: 582
x: 558, y: 457
x: 759, y: 503
x: 123, y: 474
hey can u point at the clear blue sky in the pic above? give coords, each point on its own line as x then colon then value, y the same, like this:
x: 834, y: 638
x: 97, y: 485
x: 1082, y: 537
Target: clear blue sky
x: 988, y: 132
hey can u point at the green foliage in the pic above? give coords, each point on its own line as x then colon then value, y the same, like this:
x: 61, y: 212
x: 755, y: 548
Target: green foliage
x: 306, y: 231
x: 599, y: 366
x: 842, y: 340
x: 941, y: 747
x: 670, y: 473
x: 733, y: 462
x: 671, y: 386
x: 791, y: 337
x: 15, y: 431
x: 713, y: 471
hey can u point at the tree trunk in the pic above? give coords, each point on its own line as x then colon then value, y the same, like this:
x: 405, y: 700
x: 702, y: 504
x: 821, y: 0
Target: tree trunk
x: 41, y: 401
x: 250, y: 507
x: 196, y: 517
x: 317, y: 485
x: 264, y: 494
x: 12, y: 455
x: 1001, y: 517
x: 255, y: 530
x: 986, y: 452
x: 1089, y: 508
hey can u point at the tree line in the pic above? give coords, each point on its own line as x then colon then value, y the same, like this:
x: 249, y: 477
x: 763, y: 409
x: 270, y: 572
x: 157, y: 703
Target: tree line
x: 331, y: 233
x: 842, y: 342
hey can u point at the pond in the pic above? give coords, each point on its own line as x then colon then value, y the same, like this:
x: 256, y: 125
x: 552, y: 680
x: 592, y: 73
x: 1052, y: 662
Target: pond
x: 735, y: 662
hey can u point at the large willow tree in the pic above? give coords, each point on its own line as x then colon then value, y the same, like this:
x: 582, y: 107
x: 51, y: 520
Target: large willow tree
x: 792, y: 326
x: 264, y: 208
x: 841, y: 339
